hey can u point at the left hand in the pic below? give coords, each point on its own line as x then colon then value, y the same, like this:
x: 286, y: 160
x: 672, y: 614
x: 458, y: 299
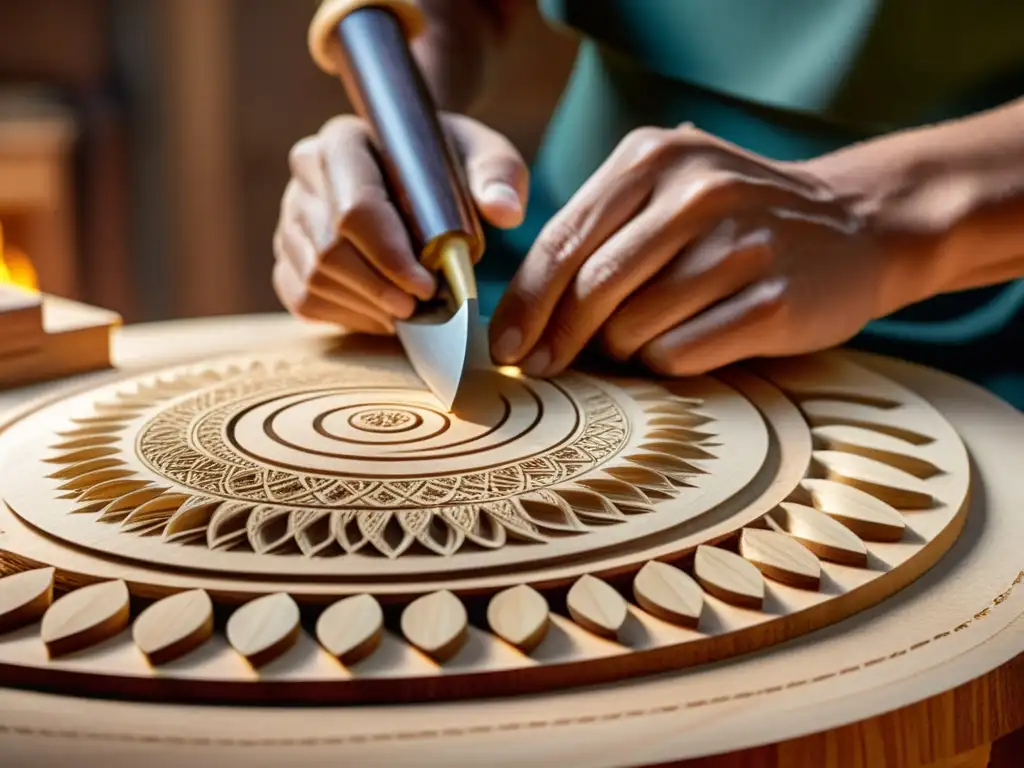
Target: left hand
x: 689, y: 253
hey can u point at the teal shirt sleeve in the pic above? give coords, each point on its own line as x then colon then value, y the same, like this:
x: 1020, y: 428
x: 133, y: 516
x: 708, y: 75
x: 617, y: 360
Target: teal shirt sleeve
x: 788, y: 79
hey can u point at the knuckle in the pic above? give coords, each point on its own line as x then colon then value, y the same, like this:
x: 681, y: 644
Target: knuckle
x: 754, y: 254
x: 341, y: 126
x: 651, y: 146
x: 304, y: 155
x: 596, y: 275
x: 559, y: 240
x: 708, y: 188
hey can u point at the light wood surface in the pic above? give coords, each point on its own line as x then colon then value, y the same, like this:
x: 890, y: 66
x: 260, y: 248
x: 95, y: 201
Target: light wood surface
x: 21, y: 319
x: 174, y: 626
x: 816, y: 701
x: 265, y: 628
x: 24, y: 598
x: 520, y: 616
x: 45, y: 337
x: 352, y: 628
x: 669, y: 593
x: 85, y: 617
x: 327, y: 471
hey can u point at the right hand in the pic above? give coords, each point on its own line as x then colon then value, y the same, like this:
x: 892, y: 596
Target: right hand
x: 342, y: 253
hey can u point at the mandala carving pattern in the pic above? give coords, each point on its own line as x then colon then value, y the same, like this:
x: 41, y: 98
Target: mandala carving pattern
x: 323, y: 459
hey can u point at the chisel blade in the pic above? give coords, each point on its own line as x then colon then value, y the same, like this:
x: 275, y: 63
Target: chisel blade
x: 446, y: 349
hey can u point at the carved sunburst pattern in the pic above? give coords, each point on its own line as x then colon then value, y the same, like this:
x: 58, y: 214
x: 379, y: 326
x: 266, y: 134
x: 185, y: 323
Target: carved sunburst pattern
x: 640, y: 529
x: 325, y: 458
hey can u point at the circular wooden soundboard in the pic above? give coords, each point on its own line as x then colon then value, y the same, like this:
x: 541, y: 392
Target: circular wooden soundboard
x: 302, y: 524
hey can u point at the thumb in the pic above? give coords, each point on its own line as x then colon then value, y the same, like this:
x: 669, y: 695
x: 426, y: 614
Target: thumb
x: 497, y: 175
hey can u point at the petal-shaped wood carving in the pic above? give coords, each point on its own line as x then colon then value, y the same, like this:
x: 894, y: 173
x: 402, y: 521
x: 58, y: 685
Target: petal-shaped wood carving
x: 437, y: 624
x: 878, y: 446
x: 85, y: 441
x: 351, y: 629
x: 113, y: 489
x: 85, y: 454
x: 158, y: 510
x: 781, y: 558
x: 822, y: 535
x: 669, y: 593
x: 729, y: 577
x: 24, y: 598
x: 228, y: 525
x: 824, y: 413
x: 264, y: 628
x: 626, y: 497
x: 596, y: 606
x: 590, y: 505
x: 311, y: 530
x: 85, y: 617
x: 174, y: 626
x: 84, y: 468
x: 646, y: 479
x: 95, y: 477
x: 119, y: 507
x: 191, y: 519
x: 519, y: 616
x: 870, y: 518
x: 267, y: 528
x: 891, y: 485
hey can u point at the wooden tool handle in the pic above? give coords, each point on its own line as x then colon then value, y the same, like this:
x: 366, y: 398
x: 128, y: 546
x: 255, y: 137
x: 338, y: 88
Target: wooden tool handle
x: 370, y: 52
x: 323, y: 31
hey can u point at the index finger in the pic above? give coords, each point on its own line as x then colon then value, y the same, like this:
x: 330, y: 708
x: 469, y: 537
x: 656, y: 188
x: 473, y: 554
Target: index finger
x: 605, y: 202
x: 363, y: 210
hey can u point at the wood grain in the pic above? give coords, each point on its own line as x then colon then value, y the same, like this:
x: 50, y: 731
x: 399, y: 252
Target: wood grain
x: 174, y: 626
x: 86, y: 617
x: 729, y: 577
x: 822, y: 535
x: 669, y: 593
x: 956, y: 622
x: 781, y: 558
x: 519, y: 616
x: 352, y: 628
x: 24, y: 598
x: 265, y: 628
x: 436, y: 624
x: 597, y: 607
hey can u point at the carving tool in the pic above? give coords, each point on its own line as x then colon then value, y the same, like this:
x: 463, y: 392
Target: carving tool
x: 365, y: 43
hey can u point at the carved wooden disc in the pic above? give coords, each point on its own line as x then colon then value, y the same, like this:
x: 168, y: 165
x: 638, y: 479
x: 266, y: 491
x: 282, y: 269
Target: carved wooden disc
x: 498, y: 547
x: 347, y: 466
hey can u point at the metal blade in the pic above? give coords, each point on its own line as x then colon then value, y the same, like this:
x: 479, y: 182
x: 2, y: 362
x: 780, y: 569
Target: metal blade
x: 446, y: 349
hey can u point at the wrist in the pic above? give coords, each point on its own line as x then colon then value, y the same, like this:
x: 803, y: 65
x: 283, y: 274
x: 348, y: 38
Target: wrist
x: 910, y: 206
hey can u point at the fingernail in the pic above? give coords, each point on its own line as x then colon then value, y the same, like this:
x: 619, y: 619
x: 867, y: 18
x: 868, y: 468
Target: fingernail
x: 537, y: 363
x: 507, y: 346
x: 500, y: 193
x: 398, y: 303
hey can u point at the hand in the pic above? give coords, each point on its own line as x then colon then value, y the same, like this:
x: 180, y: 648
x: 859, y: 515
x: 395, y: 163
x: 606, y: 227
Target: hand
x: 689, y: 253
x: 342, y: 252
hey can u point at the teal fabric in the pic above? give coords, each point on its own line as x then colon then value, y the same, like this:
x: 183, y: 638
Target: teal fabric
x: 790, y: 79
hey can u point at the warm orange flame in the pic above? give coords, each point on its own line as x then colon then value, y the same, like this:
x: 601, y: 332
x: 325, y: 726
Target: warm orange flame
x: 15, y: 268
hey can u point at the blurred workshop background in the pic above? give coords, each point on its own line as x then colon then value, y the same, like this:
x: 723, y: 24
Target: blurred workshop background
x: 143, y: 145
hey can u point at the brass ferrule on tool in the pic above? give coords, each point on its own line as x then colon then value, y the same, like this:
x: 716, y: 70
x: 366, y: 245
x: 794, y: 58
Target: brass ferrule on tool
x: 366, y: 44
